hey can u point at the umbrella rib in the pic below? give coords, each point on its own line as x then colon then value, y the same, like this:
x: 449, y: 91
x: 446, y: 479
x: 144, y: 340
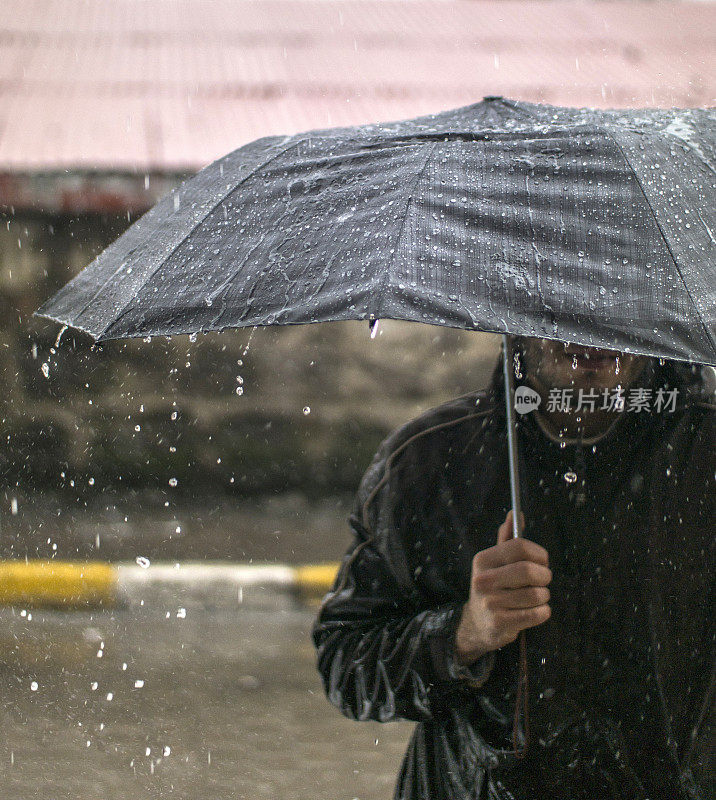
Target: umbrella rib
x: 709, y: 338
x: 199, y: 222
x: 402, y: 223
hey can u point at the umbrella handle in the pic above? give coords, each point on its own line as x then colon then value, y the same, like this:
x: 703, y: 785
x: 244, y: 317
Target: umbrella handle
x: 521, y: 703
x: 511, y: 432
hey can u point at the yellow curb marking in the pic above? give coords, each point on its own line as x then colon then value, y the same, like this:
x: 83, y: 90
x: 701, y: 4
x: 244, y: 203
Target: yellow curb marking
x: 316, y: 579
x: 57, y: 583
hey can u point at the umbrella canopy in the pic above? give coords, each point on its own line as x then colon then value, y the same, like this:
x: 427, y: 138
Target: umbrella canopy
x: 582, y: 225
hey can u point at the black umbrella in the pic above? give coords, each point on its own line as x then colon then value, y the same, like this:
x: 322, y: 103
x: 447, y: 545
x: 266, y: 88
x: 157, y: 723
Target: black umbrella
x: 581, y: 225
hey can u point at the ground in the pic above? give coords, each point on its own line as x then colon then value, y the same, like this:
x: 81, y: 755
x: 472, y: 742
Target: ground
x: 213, y: 704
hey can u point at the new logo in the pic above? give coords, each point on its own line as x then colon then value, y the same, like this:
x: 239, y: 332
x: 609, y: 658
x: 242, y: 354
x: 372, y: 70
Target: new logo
x: 526, y: 399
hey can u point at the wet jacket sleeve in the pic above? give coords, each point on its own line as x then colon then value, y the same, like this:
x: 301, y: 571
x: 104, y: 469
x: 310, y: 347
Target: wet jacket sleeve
x: 384, y: 651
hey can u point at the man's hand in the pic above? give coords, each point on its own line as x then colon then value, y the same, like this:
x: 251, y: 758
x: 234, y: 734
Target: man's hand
x: 508, y: 592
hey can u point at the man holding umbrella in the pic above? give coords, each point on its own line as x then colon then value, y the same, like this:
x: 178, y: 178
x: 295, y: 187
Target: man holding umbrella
x: 613, y: 579
x: 555, y: 225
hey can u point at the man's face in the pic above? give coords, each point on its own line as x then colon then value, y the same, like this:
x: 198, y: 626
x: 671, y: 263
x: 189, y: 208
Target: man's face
x: 549, y: 364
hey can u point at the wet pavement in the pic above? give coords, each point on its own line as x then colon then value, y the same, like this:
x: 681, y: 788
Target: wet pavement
x: 187, y: 703
x: 286, y: 528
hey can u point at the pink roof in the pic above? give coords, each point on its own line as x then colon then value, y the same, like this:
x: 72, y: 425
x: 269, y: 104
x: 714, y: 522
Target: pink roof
x: 165, y: 85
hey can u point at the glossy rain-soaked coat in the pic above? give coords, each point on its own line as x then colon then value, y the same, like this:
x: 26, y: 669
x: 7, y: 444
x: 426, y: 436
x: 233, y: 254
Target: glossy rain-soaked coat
x: 620, y: 677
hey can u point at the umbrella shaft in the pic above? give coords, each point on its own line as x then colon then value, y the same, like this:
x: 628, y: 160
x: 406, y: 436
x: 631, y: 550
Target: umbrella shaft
x: 511, y: 432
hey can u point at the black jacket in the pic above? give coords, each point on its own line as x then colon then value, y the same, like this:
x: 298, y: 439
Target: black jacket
x: 619, y: 678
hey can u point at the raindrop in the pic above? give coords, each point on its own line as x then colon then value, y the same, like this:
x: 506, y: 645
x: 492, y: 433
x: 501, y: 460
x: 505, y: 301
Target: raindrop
x: 306, y: 410
x: 137, y: 428
x: 173, y: 482
x: 570, y: 476
x: 139, y: 684
x: 33, y: 686
x: 143, y: 562
x: 45, y: 369
x: 517, y: 365
x: 59, y: 335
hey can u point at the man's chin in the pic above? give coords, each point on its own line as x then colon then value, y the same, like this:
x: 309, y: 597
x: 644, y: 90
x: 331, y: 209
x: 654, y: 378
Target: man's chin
x: 597, y: 378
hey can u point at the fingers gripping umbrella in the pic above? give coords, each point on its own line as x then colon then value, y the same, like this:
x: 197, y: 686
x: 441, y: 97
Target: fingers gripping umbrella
x: 581, y: 225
